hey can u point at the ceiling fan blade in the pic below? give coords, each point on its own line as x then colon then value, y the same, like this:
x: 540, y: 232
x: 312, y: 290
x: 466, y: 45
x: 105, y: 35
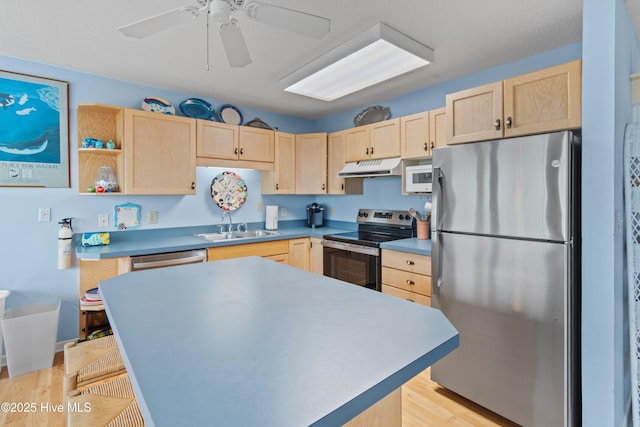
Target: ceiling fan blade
x: 289, y: 19
x: 234, y: 44
x: 154, y: 24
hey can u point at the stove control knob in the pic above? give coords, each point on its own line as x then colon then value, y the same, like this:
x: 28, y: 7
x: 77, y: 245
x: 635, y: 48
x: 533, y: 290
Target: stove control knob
x: 366, y: 214
x: 401, y: 217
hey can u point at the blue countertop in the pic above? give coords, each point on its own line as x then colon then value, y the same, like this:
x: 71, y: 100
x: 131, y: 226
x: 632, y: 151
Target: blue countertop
x: 249, y: 341
x: 145, y: 242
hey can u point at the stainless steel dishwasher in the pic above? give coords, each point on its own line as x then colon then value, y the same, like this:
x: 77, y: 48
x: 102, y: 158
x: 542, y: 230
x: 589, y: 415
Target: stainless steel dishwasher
x: 168, y: 259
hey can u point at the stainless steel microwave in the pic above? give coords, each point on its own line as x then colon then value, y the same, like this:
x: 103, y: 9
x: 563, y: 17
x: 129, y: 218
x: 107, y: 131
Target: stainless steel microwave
x: 418, y: 179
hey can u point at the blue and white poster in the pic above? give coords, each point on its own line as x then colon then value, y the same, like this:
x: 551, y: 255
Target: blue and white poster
x: 34, y: 131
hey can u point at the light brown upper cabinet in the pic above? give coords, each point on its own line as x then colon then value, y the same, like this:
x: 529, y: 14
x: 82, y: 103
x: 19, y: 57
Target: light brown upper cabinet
x: 225, y: 145
x: 379, y: 140
x: 336, y: 142
x: 311, y: 163
x: 544, y: 101
x: 541, y: 101
x: 420, y: 133
x: 438, y: 128
x: 282, y: 179
x: 159, y: 153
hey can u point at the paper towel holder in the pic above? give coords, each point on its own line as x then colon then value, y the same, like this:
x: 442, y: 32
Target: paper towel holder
x: 271, y: 217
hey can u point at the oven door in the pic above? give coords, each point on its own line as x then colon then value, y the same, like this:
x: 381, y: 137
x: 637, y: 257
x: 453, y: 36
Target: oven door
x: 352, y: 263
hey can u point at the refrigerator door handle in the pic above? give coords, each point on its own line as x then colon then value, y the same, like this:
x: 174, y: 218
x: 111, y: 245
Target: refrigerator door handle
x: 437, y: 194
x: 436, y: 258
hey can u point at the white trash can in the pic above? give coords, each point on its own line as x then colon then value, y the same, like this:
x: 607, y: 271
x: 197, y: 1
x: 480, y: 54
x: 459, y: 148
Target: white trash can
x: 30, y: 334
x: 3, y: 296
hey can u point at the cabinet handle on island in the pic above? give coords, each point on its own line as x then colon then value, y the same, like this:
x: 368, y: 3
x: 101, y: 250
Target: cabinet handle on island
x: 409, y: 262
x: 410, y: 282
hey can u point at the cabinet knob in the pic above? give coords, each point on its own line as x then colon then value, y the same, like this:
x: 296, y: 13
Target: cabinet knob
x: 277, y: 187
x: 323, y: 186
x: 409, y: 262
x: 497, y: 124
x: 235, y: 151
x: 433, y: 145
x: 410, y: 282
x: 193, y: 185
x: 508, y: 123
x: 425, y: 146
x: 342, y: 186
x: 409, y: 299
x: 367, y: 152
x: 241, y: 151
x: 371, y: 150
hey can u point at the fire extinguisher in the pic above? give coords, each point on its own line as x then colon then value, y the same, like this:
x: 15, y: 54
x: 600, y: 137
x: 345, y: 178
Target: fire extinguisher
x: 65, y: 235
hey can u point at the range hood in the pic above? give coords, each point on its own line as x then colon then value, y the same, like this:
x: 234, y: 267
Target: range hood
x: 372, y: 168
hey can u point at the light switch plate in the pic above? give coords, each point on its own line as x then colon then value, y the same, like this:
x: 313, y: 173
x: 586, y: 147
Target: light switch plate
x: 259, y: 206
x: 103, y: 220
x: 44, y: 214
x: 153, y: 217
x: 283, y: 211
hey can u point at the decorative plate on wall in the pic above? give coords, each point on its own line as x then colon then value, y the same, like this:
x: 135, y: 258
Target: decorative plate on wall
x: 230, y: 114
x: 374, y: 114
x: 228, y: 191
x: 197, y: 108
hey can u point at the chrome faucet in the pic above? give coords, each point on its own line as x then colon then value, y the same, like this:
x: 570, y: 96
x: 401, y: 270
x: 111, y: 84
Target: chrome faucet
x: 230, y: 222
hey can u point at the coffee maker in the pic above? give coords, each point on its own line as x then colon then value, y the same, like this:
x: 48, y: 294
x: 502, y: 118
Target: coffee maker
x: 315, y: 215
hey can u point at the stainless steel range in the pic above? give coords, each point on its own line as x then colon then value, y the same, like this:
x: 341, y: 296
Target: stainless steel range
x: 354, y: 257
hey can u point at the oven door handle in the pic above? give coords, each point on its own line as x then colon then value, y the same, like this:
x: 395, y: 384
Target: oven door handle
x: 366, y: 250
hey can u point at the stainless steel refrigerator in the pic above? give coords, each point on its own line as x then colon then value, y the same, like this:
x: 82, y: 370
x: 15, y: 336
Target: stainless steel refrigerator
x: 505, y: 261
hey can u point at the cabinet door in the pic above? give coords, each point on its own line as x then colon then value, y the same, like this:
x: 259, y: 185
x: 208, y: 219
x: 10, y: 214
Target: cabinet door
x: 282, y: 179
x: 336, y: 144
x: 160, y: 153
x: 414, y: 135
x: 311, y: 163
x: 437, y: 128
x: 357, y: 144
x: 217, y: 140
x: 385, y: 139
x: 475, y: 114
x: 316, y: 264
x: 299, y: 253
x: 256, y: 144
x: 544, y: 101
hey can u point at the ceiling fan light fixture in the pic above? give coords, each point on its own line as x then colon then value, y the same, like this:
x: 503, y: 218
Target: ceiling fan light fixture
x: 378, y: 54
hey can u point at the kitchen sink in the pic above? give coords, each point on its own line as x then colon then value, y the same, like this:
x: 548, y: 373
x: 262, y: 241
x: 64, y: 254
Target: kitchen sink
x: 217, y: 237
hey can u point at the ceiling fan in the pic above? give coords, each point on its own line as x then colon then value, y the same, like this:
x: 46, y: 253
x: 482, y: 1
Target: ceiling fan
x: 220, y: 12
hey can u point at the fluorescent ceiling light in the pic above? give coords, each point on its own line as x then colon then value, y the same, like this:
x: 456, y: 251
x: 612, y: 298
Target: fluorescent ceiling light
x: 378, y: 54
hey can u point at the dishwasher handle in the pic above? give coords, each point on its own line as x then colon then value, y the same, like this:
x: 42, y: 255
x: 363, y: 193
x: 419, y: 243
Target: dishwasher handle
x: 147, y: 262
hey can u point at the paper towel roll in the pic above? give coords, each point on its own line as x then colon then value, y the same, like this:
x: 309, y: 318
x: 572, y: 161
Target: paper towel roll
x: 271, y: 218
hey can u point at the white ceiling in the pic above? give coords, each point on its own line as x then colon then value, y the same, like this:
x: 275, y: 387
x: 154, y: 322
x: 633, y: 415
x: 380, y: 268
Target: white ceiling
x: 467, y: 36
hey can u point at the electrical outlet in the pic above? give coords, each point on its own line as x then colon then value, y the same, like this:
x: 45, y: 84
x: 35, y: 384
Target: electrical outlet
x: 259, y: 206
x: 153, y: 217
x: 283, y: 211
x: 330, y: 212
x: 103, y: 220
x: 44, y: 214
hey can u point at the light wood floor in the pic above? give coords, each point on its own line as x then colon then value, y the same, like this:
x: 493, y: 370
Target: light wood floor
x: 424, y: 403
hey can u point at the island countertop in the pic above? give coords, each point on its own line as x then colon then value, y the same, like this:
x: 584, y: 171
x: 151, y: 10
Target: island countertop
x: 249, y: 341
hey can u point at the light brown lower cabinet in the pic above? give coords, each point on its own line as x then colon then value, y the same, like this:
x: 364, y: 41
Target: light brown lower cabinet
x: 316, y: 257
x: 294, y: 252
x: 407, y: 276
x: 92, y: 272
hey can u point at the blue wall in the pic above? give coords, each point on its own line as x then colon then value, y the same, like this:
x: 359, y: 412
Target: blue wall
x: 610, y: 55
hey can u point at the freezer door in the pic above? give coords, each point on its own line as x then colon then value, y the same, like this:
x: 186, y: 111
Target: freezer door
x: 515, y: 187
x: 509, y: 301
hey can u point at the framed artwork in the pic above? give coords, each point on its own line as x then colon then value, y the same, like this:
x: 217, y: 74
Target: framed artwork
x: 126, y: 215
x: 34, y: 131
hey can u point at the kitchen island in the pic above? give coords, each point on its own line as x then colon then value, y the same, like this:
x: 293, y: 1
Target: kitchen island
x: 251, y: 342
